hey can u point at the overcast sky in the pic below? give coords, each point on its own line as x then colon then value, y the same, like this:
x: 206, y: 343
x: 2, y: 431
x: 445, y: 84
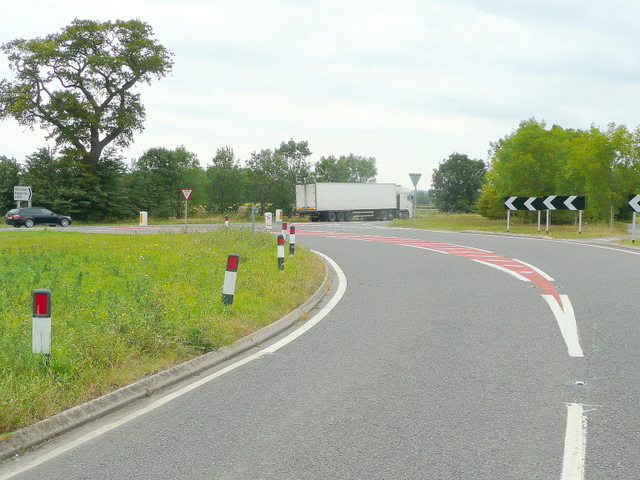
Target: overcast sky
x: 407, y: 82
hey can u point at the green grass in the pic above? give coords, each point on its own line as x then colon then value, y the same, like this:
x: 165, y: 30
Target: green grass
x: 434, y: 220
x: 126, y: 306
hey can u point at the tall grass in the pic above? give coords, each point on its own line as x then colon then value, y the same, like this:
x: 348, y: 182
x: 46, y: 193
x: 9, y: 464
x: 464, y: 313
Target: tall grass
x: 126, y: 306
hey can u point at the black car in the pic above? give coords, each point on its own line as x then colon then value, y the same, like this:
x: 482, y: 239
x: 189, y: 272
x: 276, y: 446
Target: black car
x: 31, y: 216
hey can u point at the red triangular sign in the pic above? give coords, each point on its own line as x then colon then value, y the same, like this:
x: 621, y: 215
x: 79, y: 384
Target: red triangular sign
x: 186, y: 193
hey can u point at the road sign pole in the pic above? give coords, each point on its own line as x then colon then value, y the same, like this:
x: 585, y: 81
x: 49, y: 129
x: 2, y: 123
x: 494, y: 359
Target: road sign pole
x: 186, y: 203
x: 539, y: 214
x: 633, y: 235
x: 415, y: 177
x: 508, y: 219
x: 580, y: 221
x: 547, y: 222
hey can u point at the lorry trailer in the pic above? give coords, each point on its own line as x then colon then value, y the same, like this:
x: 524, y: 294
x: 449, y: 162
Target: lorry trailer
x: 331, y: 202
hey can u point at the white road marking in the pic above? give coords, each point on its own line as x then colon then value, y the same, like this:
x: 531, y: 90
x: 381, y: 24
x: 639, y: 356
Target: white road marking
x: 575, y: 441
x: 503, y: 269
x: 532, y: 267
x: 566, y: 318
x: 342, y: 286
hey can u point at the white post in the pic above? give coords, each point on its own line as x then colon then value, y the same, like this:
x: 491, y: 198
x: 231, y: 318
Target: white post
x: 230, y: 276
x: 41, y: 331
x: 547, y: 222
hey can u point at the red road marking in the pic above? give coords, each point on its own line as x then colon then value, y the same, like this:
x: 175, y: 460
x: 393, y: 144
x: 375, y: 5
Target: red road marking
x: 523, y: 271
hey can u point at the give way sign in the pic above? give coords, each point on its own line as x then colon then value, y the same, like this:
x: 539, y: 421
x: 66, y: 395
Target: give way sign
x: 186, y: 193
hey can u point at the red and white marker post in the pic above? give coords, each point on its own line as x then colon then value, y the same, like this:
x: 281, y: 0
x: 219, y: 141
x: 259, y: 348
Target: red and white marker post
x: 281, y: 252
x: 292, y: 241
x: 41, y: 329
x: 284, y: 230
x: 229, y: 287
x: 226, y: 221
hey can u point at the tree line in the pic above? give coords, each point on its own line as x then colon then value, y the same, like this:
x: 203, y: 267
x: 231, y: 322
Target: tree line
x: 152, y: 183
x: 535, y: 161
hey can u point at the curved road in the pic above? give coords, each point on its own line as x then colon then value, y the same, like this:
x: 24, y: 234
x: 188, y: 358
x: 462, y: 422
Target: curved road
x: 448, y: 356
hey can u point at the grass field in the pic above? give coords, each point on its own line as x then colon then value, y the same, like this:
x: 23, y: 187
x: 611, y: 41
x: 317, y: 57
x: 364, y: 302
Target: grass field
x: 126, y: 306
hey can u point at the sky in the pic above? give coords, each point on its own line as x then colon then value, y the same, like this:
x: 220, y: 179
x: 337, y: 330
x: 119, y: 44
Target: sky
x: 408, y: 82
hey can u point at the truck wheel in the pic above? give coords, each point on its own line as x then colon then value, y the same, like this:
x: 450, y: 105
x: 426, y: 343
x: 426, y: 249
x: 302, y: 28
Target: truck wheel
x: 348, y: 216
x: 340, y: 216
x: 332, y: 216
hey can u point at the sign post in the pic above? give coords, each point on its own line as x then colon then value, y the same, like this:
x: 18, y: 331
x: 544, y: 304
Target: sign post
x: 186, y: 193
x: 415, y: 178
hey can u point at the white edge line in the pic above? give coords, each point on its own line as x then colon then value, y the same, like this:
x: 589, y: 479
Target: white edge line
x: 545, y: 275
x: 342, y: 286
x: 575, y: 441
x: 502, y: 269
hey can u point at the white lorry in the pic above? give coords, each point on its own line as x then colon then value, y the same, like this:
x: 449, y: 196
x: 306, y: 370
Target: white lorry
x: 343, y: 201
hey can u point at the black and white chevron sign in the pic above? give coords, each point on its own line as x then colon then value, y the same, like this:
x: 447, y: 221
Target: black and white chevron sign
x: 550, y: 202
x: 523, y: 203
x: 562, y: 202
x: 634, y: 202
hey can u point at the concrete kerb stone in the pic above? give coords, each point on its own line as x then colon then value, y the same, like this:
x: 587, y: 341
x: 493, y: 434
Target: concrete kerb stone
x: 49, y: 428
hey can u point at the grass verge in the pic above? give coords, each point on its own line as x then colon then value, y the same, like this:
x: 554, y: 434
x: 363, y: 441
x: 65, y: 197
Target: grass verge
x: 434, y: 220
x: 127, y: 306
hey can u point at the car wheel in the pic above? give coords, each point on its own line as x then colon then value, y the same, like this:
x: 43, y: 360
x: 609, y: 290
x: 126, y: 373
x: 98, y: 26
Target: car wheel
x: 28, y: 223
x: 64, y: 222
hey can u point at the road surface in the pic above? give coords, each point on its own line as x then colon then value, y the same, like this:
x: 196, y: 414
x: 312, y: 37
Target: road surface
x: 447, y: 356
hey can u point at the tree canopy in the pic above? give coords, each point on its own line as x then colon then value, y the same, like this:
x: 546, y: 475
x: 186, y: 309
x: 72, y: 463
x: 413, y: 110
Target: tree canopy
x: 603, y: 165
x: 77, y: 84
x: 456, y: 183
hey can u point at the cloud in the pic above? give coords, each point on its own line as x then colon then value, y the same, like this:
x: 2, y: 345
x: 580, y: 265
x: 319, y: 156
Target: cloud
x: 408, y: 82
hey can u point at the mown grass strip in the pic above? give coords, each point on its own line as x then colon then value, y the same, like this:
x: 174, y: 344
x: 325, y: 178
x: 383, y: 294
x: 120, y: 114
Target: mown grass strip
x: 126, y: 306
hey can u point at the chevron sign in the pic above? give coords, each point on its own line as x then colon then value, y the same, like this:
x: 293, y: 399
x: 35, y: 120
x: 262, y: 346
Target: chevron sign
x: 523, y: 203
x: 634, y: 202
x: 562, y: 202
x: 550, y: 202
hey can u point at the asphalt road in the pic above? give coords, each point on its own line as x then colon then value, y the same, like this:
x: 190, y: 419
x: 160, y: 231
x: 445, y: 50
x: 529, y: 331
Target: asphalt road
x: 433, y: 365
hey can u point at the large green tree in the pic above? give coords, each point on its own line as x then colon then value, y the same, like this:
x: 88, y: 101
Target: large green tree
x: 456, y: 183
x: 77, y: 84
x: 604, y: 166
